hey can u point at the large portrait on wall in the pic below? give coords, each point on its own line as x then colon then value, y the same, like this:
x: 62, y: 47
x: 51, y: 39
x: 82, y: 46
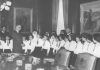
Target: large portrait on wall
x: 90, y: 17
x: 23, y: 16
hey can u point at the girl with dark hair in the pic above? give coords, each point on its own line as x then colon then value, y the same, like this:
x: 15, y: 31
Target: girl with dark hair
x: 66, y: 46
x: 79, y: 45
x: 45, y: 47
x: 30, y: 46
x: 72, y: 47
x: 72, y: 43
x: 37, y: 51
x: 25, y: 44
x: 61, y: 41
x: 85, y: 42
x: 34, y: 43
x: 53, y: 46
x: 91, y: 44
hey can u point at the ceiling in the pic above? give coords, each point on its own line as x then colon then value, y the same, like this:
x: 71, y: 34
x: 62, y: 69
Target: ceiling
x: 85, y: 1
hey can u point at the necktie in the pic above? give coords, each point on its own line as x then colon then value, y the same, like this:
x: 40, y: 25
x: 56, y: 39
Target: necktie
x: 7, y: 43
x: 30, y: 43
x: 44, y: 43
x: 37, y: 42
x: 94, y: 47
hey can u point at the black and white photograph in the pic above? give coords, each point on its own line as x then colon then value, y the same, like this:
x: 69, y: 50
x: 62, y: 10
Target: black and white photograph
x: 49, y: 34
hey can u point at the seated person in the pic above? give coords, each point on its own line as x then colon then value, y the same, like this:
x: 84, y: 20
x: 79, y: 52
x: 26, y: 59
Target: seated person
x: 96, y: 52
x: 45, y: 47
x: 79, y: 45
x: 8, y: 45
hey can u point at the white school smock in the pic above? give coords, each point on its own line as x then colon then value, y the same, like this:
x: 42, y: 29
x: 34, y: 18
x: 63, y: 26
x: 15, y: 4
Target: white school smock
x: 2, y: 44
x: 79, y: 47
x: 6, y: 45
x: 61, y: 43
x: 26, y: 45
x: 32, y: 44
x: 85, y: 47
x: 58, y: 45
x: 46, y: 45
x: 39, y: 42
x: 53, y: 43
x: 72, y: 46
x: 91, y: 48
x: 97, y: 50
x: 66, y: 46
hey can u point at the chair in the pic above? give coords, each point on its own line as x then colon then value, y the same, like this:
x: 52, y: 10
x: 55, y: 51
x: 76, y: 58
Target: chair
x: 62, y: 59
x: 85, y: 61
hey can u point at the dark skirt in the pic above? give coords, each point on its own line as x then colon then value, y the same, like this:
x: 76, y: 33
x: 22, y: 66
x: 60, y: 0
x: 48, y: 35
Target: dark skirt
x: 37, y: 52
x: 1, y: 51
x: 44, y: 53
x: 51, y: 54
x: 28, y: 51
x: 7, y: 51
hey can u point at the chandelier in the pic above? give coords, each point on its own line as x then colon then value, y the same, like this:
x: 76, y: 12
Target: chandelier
x: 5, y: 5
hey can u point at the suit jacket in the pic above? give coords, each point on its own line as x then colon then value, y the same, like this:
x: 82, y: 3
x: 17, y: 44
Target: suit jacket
x: 17, y: 41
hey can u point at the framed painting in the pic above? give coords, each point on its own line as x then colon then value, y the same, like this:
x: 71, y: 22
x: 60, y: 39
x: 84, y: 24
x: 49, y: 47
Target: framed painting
x: 24, y: 17
x: 90, y: 17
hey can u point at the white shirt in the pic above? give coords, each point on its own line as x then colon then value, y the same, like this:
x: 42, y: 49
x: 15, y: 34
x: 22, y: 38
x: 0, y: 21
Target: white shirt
x: 61, y: 43
x: 79, y: 47
x: 46, y: 45
x: 72, y: 46
x: 2, y: 44
x: 39, y: 42
x: 97, y: 50
x: 34, y: 41
x: 8, y: 44
x: 26, y: 44
x: 53, y: 43
x: 85, y: 47
x: 58, y: 45
x: 66, y: 46
x: 91, y: 48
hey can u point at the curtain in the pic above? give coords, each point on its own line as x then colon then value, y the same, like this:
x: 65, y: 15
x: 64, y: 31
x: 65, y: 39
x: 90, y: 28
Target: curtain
x: 65, y: 10
x: 57, y: 16
x: 70, y: 18
x: 60, y: 20
x: 55, y: 8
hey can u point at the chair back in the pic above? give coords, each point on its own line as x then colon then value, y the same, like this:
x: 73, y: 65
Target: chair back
x: 62, y: 57
x: 85, y: 61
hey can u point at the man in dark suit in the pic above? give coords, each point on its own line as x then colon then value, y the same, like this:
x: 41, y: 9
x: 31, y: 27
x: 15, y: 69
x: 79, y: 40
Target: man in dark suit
x: 69, y: 33
x: 17, y: 40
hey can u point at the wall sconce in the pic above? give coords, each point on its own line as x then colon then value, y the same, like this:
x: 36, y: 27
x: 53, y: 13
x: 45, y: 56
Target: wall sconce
x: 6, y: 5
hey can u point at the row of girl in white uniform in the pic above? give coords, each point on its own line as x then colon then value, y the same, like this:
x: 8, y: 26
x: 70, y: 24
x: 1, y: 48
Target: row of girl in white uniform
x: 77, y: 44
x: 48, y: 46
